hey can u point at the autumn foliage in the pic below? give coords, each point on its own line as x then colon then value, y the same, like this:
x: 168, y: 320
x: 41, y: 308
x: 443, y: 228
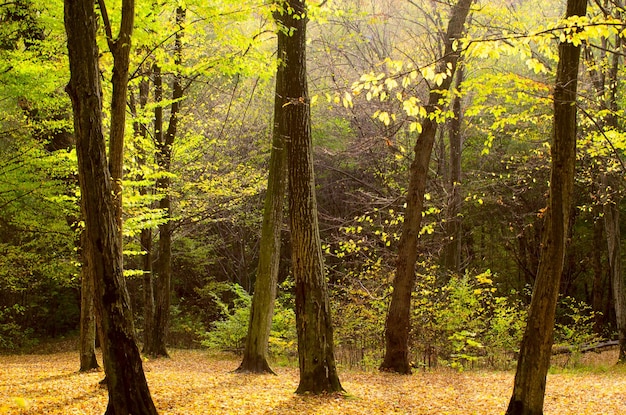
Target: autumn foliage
x: 192, y: 382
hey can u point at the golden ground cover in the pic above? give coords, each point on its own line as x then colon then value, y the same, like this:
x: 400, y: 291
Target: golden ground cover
x: 191, y: 382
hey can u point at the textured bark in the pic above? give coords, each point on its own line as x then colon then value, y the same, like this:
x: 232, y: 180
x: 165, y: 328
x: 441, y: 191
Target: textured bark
x: 255, y: 354
x: 397, y: 324
x: 88, y: 359
x: 127, y: 387
x: 534, y: 358
x: 452, y: 253
x: 318, y: 371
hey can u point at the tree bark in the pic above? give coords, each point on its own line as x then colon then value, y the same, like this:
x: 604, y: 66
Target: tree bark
x: 127, y: 387
x: 613, y: 238
x: 88, y: 359
x: 255, y: 354
x: 316, y: 357
x: 534, y: 359
x: 397, y: 324
x: 452, y: 252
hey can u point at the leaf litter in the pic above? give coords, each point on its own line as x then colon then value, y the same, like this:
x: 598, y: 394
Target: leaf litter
x: 192, y: 382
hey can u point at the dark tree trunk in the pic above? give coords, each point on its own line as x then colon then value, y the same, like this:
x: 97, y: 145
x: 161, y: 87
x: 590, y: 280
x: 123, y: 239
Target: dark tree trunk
x: 613, y: 237
x: 452, y: 253
x: 127, y: 387
x: 164, y: 141
x: 88, y: 359
x: 255, y: 354
x: 606, y: 85
x: 318, y: 372
x: 534, y: 359
x: 598, y: 292
x: 397, y: 324
x: 145, y: 240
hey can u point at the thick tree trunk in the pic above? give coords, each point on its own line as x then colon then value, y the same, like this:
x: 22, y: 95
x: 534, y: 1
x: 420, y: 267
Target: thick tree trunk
x: 88, y: 359
x: 534, y: 359
x: 318, y: 372
x: 397, y: 324
x: 255, y: 354
x: 128, y: 390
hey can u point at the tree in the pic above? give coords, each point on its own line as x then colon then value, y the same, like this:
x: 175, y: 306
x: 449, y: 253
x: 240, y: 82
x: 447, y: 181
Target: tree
x: 397, y: 324
x: 603, y: 72
x: 128, y: 389
x: 452, y: 249
x: 534, y: 358
x: 262, y: 308
x: 164, y: 141
x: 318, y: 371
x: 87, y: 346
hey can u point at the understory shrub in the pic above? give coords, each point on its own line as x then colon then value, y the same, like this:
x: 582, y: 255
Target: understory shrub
x: 230, y: 333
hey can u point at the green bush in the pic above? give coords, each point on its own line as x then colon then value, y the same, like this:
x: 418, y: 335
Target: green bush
x: 230, y: 333
x: 13, y: 336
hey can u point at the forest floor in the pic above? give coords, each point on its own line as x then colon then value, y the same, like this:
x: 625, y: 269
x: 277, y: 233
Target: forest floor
x: 192, y: 382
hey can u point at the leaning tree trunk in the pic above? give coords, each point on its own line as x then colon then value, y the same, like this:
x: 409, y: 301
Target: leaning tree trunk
x: 128, y: 390
x: 397, y: 324
x: 255, y: 354
x: 316, y: 357
x: 534, y: 358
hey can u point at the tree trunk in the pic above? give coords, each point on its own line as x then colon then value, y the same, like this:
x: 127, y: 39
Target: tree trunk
x: 128, y: 390
x: 255, y: 354
x: 452, y: 253
x: 534, y: 359
x: 613, y: 238
x: 164, y: 141
x: 606, y: 85
x: 88, y: 359
x: 397, y: 324
x: 598, y: 301
x: 145, y: 240
x: 318, y: 372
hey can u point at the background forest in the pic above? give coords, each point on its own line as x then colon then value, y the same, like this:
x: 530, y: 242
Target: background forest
x: 197, y: 152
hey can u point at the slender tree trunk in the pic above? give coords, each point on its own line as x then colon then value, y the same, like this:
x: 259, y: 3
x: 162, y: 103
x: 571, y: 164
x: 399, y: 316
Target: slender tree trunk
x: 452, y: 253
x: 534, y: 359
x: 88, y: 359
x: 613, y: 238
x: 255, y: 354
x: 145, y: 239
x: 397, y: 324
x: 316, y: 356
x: 606, y: 85
x: 164, y: 142
x: 127, y: 387
x: 598, y: 298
